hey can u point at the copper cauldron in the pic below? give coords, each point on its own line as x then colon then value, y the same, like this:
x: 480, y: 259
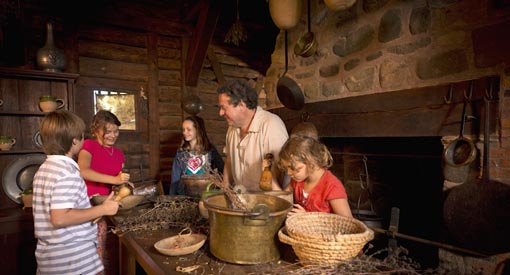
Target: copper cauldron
x: 246, y: 236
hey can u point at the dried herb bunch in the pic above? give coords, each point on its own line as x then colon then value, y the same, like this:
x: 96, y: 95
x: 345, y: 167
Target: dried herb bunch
x: 237, y: 34
x: 396, y: 262
x: 168, y: 212
x: 217, y: 179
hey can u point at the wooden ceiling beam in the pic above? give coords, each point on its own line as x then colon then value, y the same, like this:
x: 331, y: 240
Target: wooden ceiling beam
x: 215, y: 64
x: 200, y: 40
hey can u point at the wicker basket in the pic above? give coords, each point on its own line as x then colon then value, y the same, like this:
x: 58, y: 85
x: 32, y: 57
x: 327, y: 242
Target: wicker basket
x: 324, y: 238
x: 319, y: 226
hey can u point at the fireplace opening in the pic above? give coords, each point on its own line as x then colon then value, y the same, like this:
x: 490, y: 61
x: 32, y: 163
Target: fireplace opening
x: 380, y: 173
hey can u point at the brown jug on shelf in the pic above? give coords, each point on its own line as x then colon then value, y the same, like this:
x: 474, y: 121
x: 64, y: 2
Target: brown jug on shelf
x: 6, y: 143
x: 266, y: 179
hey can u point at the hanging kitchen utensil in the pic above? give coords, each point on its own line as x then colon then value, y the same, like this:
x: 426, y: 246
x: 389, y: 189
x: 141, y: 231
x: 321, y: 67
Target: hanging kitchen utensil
x: 192, y: 104
x: 460, y: 153
x: 368, y: 217
x: 476, y: 213
x: 288, y: 91
x: 285, y: 13
x: 306, y: 46
x: 237, y: 34
x: 305, y: 128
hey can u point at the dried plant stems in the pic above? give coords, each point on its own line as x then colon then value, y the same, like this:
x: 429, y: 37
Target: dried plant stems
x: 167, y: 212
x: 232, y: 196
x: 237, y: 33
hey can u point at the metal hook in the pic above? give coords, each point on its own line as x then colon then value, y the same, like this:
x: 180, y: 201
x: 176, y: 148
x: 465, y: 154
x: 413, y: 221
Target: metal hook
x: 450, y: 95
x: 488, y: 92
x: 468, y: 97
x: 305, y: 116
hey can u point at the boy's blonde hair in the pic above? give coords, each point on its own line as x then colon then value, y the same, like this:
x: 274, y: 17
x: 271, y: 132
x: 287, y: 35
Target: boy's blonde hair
x: 58, y: 129
x: 306, y: 150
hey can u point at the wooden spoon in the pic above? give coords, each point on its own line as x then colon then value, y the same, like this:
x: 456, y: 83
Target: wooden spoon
x: 124, y: 191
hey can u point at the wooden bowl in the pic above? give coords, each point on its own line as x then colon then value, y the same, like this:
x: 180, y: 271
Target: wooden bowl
x: 181, y: 244
x: 194, y: 185
x: 127, y: 202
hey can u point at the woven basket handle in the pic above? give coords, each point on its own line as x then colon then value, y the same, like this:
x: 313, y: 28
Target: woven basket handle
x: 282, y: 235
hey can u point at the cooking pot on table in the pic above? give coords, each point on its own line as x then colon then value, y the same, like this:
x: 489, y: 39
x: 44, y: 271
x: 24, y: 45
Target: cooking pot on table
x: 246, y: 236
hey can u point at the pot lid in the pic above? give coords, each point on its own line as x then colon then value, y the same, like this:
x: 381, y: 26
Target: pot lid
x: 19, y: 174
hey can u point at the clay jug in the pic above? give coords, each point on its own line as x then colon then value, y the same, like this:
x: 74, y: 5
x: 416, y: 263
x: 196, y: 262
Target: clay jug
x: 285, y: 13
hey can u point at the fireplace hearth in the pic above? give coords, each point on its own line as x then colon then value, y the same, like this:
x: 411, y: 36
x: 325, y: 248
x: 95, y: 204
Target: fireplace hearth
x: 404, y: 172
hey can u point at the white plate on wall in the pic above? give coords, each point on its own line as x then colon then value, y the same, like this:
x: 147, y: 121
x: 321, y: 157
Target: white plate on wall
x: 36, y: 139
x: 19, y: 175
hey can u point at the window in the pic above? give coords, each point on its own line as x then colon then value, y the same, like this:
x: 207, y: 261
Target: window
x: 121, y: 103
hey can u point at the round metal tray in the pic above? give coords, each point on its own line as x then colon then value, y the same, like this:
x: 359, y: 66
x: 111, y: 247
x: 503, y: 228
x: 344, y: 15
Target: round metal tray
x: 19, y: 175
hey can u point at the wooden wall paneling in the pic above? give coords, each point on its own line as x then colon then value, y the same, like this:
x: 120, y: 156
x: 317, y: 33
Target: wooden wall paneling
x: 112, y: 35
x: 113, y: 69
x: 153, y: 98
x: 170, y: 78
x: 171, y: 109
x: 111, y: 51
x: 169, y: 63
x: 170, y: 52
x: 8, y: 93
x: 170, y: 94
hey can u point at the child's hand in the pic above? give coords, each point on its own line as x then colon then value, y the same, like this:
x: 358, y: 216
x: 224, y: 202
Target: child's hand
x: 122, y: 177
x: 110, y: 206
x: 297, y: 209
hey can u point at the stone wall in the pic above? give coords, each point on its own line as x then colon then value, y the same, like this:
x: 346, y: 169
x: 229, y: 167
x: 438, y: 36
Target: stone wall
x: 380, y: 46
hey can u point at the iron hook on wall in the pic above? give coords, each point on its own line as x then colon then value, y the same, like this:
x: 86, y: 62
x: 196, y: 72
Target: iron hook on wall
x: 448, y: 99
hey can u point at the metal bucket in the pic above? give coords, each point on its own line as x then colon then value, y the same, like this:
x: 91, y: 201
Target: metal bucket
x: 246, y: 237
x: 286, y: 195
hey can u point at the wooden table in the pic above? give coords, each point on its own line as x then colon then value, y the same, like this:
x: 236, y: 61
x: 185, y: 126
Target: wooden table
x: 139, y: 247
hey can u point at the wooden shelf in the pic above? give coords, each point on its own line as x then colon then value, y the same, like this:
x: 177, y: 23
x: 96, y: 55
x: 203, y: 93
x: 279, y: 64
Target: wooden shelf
x: 23, y: 151
x: 35, y: 74
x: 21, y: 113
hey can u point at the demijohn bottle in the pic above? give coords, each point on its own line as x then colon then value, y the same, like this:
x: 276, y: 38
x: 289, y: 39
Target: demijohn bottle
x: 266, y: 178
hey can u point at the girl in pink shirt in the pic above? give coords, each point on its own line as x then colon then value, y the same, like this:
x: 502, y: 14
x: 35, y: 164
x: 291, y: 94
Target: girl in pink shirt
x: 315, y: 188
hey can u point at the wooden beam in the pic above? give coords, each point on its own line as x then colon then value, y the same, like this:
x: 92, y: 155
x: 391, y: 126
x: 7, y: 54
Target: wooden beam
x: 200, y: 41
x: 215, y: 65
x: 415, y: 112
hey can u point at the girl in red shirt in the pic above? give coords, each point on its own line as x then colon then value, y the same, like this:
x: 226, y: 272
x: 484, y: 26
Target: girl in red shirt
x: 315, y: 188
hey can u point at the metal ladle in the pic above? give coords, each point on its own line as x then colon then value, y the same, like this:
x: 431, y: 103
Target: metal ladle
x: 306, y: 45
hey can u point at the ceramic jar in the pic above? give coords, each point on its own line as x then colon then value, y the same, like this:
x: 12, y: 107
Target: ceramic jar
x: 49, y: 103
x: 50, y: 58
x: 6, y: 143
x: 285, y: 13
x: 338, y: 5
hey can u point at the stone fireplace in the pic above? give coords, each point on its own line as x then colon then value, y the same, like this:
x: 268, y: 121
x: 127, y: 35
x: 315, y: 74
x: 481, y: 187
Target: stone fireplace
x: 388, y: 83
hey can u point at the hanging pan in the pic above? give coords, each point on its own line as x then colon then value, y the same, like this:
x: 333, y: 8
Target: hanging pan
x: 476, y: 213
x: 460, y: 153
x: 288, y: 91
x: 306, y: 45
